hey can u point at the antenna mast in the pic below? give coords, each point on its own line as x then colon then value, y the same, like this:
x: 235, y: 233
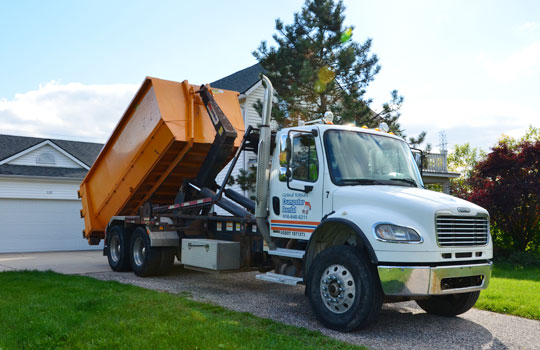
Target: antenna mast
x: 442, y: 142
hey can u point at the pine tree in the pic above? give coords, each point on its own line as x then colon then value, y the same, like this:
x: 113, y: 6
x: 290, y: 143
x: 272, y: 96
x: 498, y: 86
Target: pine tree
x: 317, y: 67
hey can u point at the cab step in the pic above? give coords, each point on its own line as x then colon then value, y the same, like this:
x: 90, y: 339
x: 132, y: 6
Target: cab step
x: 281, y: 279
x: 288, y: 253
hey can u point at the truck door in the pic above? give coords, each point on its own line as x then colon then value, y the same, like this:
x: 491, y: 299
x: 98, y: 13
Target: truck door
x: 296, y: 207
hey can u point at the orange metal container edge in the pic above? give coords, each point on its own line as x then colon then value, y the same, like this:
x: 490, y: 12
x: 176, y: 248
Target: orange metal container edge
x: 162, y: 138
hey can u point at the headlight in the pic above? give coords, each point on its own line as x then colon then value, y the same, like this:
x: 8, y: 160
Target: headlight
x: 394, y: 233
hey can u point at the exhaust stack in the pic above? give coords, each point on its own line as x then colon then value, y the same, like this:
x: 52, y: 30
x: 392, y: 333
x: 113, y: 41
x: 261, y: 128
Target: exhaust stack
x: 263, y: 166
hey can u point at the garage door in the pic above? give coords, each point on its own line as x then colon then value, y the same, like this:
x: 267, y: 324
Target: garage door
x: 32, y: 225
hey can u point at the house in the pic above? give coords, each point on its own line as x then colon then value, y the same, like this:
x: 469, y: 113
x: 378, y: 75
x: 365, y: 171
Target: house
x: 249, y: 84
x: 39, y: 179
x: 435, y: 171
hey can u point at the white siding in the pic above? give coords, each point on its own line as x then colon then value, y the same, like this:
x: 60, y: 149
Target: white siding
x: 30, y: 158
x: 252, y: 116
x: 38, y: 189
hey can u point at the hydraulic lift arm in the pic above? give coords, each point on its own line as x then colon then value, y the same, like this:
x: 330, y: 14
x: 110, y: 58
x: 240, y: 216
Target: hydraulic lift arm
x: 223, y: 144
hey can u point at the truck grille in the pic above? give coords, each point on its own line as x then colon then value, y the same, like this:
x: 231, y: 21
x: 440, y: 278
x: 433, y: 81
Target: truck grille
x: 460, y: 231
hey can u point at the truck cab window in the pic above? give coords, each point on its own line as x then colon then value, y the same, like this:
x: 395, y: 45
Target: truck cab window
x: 305, y: 164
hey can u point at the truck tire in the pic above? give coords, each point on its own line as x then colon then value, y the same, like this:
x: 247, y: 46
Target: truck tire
x: 344, y: 290
x: 449, y: 305
x: 118, y: 252
x: 145, y: 260
x: 167, y: 259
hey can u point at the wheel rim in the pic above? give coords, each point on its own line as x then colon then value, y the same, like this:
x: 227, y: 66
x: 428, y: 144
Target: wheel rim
x: 139, y: 251
x: 338, y: 289
x: 114, y: 248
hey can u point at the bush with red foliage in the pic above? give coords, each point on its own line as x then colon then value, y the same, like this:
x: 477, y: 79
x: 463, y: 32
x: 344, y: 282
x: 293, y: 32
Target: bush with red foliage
x: 507, y: 184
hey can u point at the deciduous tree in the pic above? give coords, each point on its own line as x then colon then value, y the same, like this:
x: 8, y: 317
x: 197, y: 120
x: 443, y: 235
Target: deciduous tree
x: 507, y: 184
x: 463, y: 159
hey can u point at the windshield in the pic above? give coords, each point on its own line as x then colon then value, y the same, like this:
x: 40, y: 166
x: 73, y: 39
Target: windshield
x: 357, y: 158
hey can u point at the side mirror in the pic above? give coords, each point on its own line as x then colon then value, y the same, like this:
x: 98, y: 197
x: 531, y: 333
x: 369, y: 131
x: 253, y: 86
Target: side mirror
x: 418, y: 159
x: 288, y: 150
x: 418, y: 155
x: 288, y: 174
x: 285, y: 158
x: 283, y: 174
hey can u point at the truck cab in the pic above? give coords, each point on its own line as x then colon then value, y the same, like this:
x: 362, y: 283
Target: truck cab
x: 344, y: 191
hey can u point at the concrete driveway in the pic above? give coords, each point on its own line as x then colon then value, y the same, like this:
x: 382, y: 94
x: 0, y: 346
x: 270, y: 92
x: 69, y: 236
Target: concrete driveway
x: 74, y: 262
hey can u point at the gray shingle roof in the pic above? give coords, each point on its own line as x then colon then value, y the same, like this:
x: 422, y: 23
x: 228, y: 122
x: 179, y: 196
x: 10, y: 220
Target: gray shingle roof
x: 25, y: 170
x: 240, y: 81
x: 86, y: 152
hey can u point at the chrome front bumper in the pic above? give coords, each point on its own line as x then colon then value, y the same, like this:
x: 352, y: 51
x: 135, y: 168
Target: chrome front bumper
x: 426, y: 280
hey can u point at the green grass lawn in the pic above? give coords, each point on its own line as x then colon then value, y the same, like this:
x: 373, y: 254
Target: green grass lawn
x: 44, y: 310
x: 513, y: 290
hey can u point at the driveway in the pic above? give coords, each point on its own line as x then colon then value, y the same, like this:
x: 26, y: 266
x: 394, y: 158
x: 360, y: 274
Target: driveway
x: 400, y: 326
x: 74, y: 262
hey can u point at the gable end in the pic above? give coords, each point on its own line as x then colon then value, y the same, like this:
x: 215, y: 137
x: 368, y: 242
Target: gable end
x: 45, y: 154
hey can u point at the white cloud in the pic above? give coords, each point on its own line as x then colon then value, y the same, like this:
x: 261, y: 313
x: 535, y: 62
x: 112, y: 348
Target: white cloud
x: 479, y: 121
x: 520, y: 64
x: 529, y: 27
x: 67, y: 111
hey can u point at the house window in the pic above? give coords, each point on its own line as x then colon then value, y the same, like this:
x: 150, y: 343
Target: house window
x: 46, y: 158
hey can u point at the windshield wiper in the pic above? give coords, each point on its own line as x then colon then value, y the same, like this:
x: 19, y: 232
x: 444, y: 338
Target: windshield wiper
x: 359, y: 182
x: 407, y: 181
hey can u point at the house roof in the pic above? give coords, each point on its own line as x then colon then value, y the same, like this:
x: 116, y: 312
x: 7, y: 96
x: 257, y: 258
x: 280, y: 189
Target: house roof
x: 42, y: 171
x: 240, y: 81
x: 10, y: 145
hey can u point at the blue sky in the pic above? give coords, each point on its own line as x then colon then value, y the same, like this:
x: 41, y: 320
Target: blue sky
x: 69, y: 68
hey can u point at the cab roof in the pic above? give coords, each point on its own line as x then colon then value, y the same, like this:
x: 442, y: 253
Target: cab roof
x: 325, y: 127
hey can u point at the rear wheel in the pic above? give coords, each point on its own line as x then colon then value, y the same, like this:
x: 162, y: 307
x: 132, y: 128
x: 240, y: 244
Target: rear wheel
x: 145, y: 260
x: 343, y: 289
x: 118, y: 252
x: 449, y: 305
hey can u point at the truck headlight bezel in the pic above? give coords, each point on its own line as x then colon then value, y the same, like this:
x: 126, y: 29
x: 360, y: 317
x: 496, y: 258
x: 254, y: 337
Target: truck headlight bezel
x: 392, y: 233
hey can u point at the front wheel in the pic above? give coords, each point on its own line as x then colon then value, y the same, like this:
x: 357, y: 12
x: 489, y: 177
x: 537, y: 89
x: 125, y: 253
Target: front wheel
x: 449, y: 305
x: 344, y: 289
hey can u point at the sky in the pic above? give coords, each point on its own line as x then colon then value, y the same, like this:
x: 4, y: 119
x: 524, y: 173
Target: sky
x: 68, y: 69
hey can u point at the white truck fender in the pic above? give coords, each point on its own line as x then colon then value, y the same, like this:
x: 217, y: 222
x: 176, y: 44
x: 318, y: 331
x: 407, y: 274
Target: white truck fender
x: 338, y: 231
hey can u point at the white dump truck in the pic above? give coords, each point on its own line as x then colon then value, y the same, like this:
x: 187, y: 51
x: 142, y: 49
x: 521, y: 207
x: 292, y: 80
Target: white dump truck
x: 340, y: 209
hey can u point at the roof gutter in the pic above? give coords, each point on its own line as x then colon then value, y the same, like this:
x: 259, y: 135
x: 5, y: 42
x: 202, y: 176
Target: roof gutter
x: 54, y: 178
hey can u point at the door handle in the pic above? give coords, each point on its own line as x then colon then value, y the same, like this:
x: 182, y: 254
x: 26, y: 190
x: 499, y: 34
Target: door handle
x: 275, y: 205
